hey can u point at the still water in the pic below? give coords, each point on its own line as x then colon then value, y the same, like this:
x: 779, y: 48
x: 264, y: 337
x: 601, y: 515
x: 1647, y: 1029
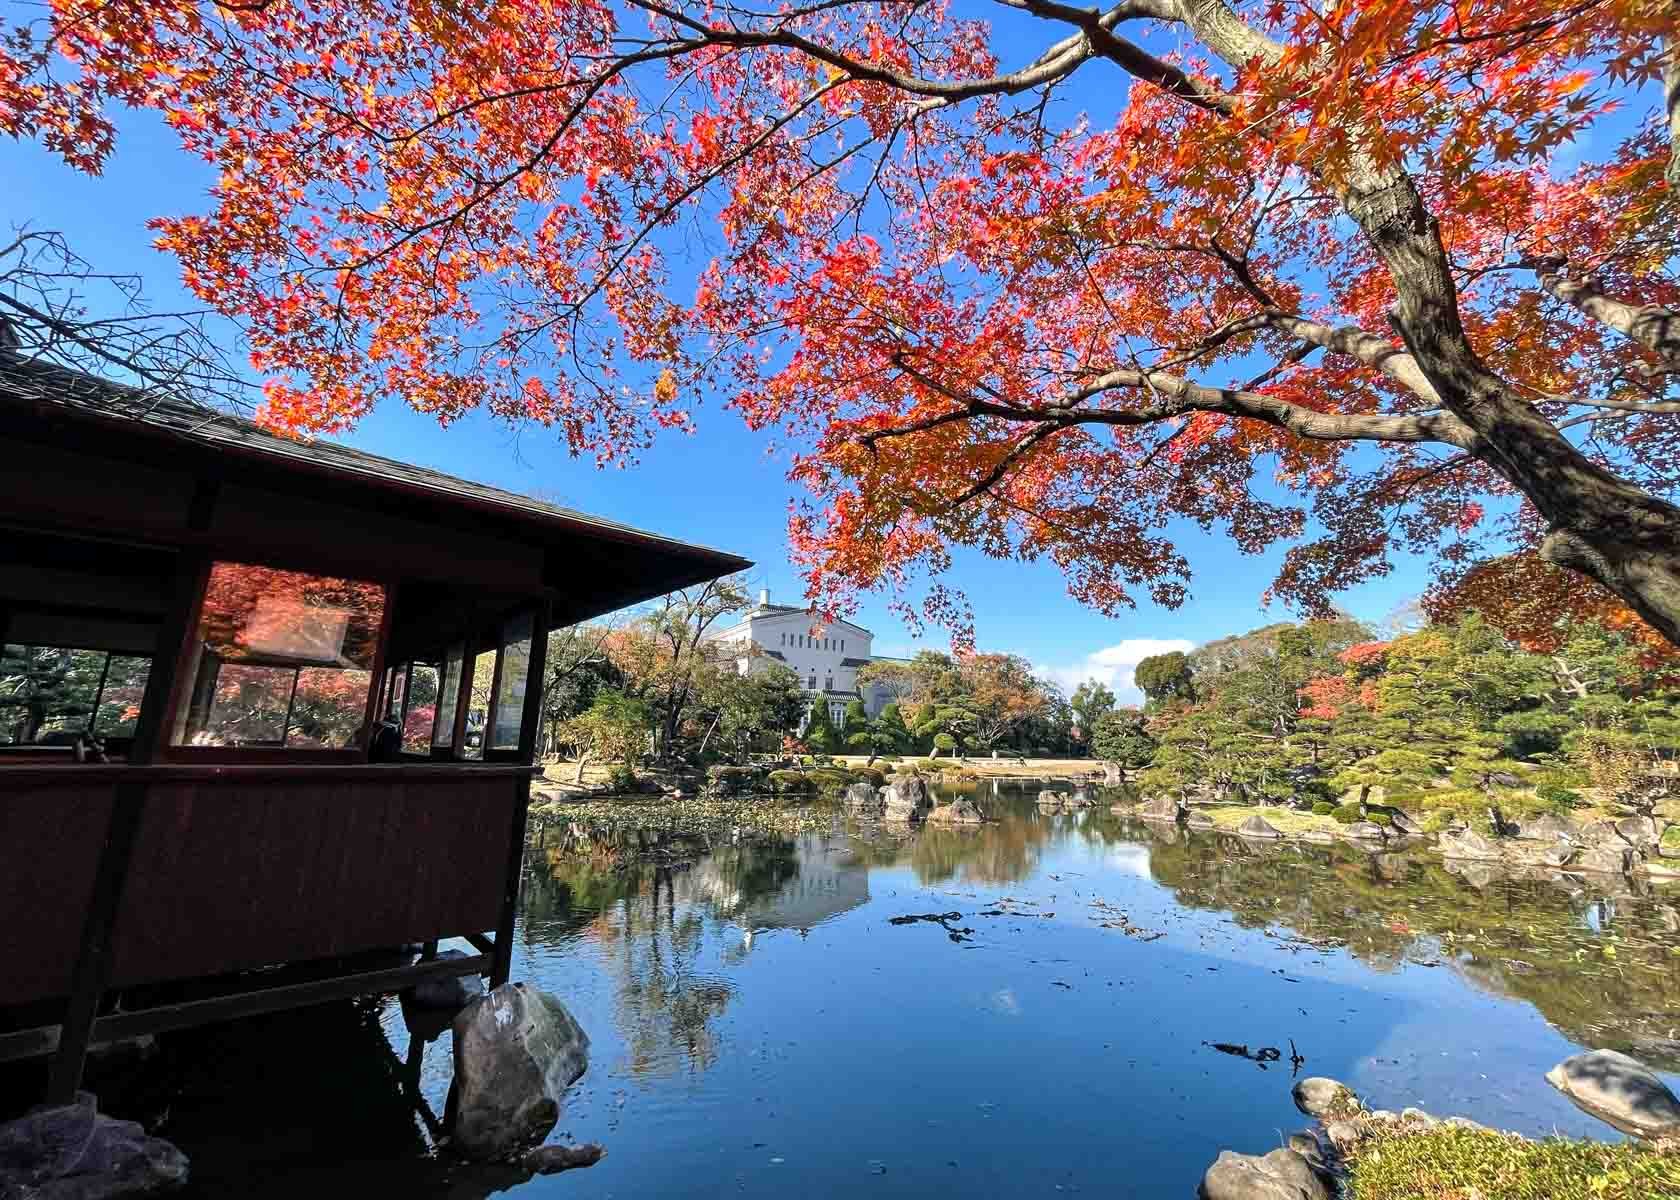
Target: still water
x: 760, y: 1027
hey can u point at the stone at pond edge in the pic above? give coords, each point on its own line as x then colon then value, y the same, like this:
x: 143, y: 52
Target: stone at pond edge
x: 1368, y: 831
x: 1258, y: 827
x: 1113, y: 776
x: 1547, y: 827
x: 551, y: 1160
x: 1468, y: 844
x: 1620, y: 1091
x: 1161, y: 808
x: 1603, y: 860
x: 72, y: 1152
x: 517, y: 1050
x: 1280, y: 1175
x: 1638, y: 832
x: 1318, y: 1096
x: 1199, y: 820
x: 958, y: 812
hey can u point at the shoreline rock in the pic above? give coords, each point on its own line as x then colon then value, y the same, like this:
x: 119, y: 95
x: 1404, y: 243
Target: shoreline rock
x: 1620, y: 1091
x: 517, y: 1050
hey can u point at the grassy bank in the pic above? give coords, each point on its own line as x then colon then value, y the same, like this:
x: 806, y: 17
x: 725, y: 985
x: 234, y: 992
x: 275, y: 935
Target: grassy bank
x: 1448, y: 1163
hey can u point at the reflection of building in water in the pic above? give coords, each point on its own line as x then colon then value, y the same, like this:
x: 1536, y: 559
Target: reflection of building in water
x: 812, y: 881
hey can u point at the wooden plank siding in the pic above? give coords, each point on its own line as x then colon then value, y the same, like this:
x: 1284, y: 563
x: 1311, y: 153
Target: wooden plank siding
x: 237, y: 868
x: 53, y: 835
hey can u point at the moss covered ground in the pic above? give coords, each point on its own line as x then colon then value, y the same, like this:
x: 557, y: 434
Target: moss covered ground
x: 1447, y: 1163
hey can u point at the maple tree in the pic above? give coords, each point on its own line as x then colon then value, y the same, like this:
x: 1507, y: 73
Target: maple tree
x: 1337, y: 239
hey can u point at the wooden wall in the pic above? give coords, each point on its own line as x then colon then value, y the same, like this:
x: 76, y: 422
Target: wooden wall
x: 244, y: 867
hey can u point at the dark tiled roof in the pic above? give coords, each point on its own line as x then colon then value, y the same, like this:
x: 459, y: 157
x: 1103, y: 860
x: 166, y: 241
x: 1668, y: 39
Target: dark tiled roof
x: 32, y: 381
x: 855, y: 662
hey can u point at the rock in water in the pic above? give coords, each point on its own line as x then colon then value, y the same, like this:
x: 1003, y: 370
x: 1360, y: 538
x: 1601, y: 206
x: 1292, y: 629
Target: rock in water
x: 551, y: 1160
x: 1280, y: 1175
x: 1050, y: 798
x: 1619, y: 1091
x: 1113, y: 776
x: 72, y: 1152
x: 1639, y: 832
x: 862, y: 798
x: 907, y: 798
x: 1318, y: 1096
x: 1258, y: 827
x: 517, y: 1050
x: 958, y: 812
x: 449, y: 992
x: 1162, y: 808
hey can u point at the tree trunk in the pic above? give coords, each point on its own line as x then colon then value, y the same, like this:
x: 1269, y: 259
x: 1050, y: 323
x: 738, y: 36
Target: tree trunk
x: 583, y: 761
x: 1598, y: 524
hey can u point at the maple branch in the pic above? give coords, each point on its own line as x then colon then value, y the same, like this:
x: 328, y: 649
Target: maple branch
x: 1374, y: 351
x: 1671, y: 100
x: 1001, y: 468
x: 1177, y: 397
x: 1651, y: 325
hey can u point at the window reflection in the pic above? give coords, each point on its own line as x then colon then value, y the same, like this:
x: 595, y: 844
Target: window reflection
x: 283, y: 658
x: 510, y: 692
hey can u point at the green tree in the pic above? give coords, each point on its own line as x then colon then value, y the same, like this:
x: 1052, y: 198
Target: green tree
x: 1091, y: 702
x: 820, y: 733
x: 614, y: 728
x: 1165, y: 678
x: 1120, y: 737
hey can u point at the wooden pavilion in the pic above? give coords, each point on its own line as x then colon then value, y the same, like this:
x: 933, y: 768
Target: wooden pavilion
x: 206, y: 628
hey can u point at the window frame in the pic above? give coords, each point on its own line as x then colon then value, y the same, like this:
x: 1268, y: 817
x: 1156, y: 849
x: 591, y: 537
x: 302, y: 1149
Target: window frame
x: 181, y: 685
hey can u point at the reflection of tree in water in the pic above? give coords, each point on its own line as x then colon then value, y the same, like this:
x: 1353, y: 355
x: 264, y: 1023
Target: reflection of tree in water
x: 664, y: 927
x: 1595, y: 956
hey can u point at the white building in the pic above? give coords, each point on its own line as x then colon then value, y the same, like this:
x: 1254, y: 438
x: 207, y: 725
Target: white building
x: 825, y: 657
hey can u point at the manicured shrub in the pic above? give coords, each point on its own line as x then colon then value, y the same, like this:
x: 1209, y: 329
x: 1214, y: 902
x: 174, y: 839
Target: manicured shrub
x: 1323, y: 808
x: 1346, y: 814
x: 869, y: 775
x: 788, y: 782
x: 621, y: 779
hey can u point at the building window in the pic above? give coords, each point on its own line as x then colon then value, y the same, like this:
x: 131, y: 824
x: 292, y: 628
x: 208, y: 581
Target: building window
x: 281, y: 659
x: 828, y: 684
x: 812, y: 685
x: 51, y: 696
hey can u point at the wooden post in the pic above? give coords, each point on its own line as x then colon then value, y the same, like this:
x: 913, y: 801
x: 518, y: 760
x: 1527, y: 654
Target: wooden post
x: 93, y: 965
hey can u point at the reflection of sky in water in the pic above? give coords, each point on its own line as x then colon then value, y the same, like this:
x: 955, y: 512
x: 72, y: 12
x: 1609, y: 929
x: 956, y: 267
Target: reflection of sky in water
x: 754, y: 1004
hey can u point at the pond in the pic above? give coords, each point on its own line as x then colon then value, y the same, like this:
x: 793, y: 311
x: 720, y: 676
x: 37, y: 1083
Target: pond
x: 761, y: 1026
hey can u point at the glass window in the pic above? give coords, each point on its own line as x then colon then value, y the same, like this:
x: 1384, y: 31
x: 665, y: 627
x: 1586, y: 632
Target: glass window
x: 395, y: 684
x: 478, y: 705
x: 283, y: 658
x: 50, y: 695
x: 443, y: 730
x: 119, y: 699
x: 510, y: 692
x: 422, y: 708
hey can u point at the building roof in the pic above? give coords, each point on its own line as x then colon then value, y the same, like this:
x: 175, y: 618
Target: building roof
x: 52, y: 389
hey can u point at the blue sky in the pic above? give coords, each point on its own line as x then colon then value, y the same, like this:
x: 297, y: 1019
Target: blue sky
x: 718, y: 486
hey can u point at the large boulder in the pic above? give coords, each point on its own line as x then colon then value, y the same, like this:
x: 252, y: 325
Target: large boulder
x: 1258, y: 827
x: 517, y: 1050
x: 907, y: 798
x: 1080, y: 797
x: 958, y: 812
x: 1113, y: 776
x: 1318, y: 1096
x: 1049, y: 798
x: 73, y: 1152
x: 1403, y: 823
x: 1281, y: 1175
x: 862, y: 798
x: 1600, y: 833
x: 1620, y: 1091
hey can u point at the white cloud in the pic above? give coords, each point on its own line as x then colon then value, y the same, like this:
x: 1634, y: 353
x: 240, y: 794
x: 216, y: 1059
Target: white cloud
x: 1114, y: 665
